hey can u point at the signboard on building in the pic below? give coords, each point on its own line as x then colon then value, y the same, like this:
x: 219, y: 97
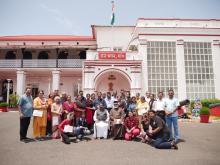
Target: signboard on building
x: 112, y: 55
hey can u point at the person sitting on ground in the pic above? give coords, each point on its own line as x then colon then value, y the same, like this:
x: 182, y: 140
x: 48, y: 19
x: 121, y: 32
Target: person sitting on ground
x: 131, y: 126
x: 160, y: 132
x: 67, y: 129
x: 117, y: 121
x: 101, y: 118
x: 144, y: 128
x: 82, y: 125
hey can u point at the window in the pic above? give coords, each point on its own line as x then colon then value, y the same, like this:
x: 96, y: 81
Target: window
x: 198, y: 70
x: 161, y: 59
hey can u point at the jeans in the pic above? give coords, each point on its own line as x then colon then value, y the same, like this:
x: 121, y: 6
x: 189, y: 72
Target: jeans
x: 173, y: 122
x: 161, y: 143
x: 24, y: 124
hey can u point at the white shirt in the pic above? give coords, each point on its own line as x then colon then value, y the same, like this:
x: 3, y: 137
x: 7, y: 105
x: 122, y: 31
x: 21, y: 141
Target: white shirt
x: 160, y: 104
x: 171, y: 105
x: 109, y: 102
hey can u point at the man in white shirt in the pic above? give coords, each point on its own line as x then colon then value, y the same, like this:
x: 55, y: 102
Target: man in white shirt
x: 109, y: 101
x: 160, y: 106
x: 171, y: 105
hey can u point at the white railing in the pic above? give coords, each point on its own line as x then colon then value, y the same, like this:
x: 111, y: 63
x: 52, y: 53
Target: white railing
x: 39, y: 63
x: 70, y: 63
x: 35, y: 63
x: 10, y: 63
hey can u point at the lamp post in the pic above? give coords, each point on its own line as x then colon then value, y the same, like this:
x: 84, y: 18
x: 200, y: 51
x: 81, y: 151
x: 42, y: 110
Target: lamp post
x: 8, y: 90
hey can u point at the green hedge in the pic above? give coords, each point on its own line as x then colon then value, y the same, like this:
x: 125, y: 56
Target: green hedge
x: 209, y: 102
x: 3, y: 104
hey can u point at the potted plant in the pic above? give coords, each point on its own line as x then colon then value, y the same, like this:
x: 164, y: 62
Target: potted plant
x: 204, y: 114
x: 3, y: 106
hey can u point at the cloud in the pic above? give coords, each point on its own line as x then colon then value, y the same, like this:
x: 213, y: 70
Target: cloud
x: 60, y: 18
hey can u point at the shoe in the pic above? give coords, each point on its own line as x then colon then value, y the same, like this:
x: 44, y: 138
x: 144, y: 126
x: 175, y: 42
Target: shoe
x: 77, y: 140
x: 24, y: 140
x: 174, y: 145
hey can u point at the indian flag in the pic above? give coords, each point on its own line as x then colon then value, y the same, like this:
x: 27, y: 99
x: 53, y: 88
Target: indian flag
x: 113, y: 14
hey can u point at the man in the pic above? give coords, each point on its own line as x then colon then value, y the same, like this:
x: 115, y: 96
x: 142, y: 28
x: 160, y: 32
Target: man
x: 25, y: 106
x: 171, y: 105
x: 160, y: 106
x: 99, y: 100
x: 147, y: 97
x: 101, y: 118
x: 109, y: 102
x: 117, y: 121
x: 159, y: 132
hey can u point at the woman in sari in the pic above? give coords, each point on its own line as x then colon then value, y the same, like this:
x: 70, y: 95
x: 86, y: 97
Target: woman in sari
x: 68, y: 107
x: 40, y: 122
x: 56, y: 110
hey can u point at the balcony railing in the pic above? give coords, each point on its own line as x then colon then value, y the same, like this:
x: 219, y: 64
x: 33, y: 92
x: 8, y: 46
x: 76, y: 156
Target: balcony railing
x: 35, y: 63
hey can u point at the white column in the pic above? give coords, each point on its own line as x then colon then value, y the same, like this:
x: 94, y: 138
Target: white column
x: 180, y: 64
x: 216, y: 64
x: 142, y: 51
x: 21, y: 78
x: 56, y: 79
x: 135, y: 80
x: 88, y: 84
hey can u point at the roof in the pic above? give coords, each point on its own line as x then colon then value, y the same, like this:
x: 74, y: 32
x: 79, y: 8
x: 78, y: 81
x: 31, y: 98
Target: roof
x: 179, y: 19
x: 46, y: 38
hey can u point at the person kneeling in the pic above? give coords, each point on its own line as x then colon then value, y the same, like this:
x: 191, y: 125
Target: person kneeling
x: 67, y: 129
x: 159, y: 132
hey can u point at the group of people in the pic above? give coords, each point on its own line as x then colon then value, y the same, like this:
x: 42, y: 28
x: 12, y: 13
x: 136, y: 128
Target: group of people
x: 106, y: 115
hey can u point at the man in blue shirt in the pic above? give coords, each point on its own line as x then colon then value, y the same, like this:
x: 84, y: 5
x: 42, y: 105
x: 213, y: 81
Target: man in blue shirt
x: 25, y: 106
x: 171, y: 106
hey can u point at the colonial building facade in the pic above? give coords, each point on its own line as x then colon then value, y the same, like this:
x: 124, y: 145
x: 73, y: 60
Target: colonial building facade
x: 154, y: 55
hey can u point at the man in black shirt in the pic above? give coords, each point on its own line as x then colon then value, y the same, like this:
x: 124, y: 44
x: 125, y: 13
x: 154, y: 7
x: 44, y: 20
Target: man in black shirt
x: 159, y: 132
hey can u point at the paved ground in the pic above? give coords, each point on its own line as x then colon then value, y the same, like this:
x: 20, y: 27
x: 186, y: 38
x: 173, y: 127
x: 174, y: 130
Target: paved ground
x: 201, y: 146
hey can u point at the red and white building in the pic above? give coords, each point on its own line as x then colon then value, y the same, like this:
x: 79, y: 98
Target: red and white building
x: 153, y: 55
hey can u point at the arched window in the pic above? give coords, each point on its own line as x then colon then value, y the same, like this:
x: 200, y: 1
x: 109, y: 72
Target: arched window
x: 27, y: 55
x: 43, y: 55
x: 10, y: 55
x: 63, y: 55
x: 82, y: 54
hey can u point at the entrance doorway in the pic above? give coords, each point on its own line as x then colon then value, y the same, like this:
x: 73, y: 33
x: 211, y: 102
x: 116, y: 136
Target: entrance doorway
x: 112, y: 80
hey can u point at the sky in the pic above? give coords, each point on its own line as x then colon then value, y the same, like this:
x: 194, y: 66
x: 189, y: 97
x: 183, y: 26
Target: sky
x: 75, y: 17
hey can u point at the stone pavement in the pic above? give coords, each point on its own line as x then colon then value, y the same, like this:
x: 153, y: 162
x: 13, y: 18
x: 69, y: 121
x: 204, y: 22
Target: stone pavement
x: 200, y: 145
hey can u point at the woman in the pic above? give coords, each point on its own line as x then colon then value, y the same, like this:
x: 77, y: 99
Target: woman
x: 40, y: 121
x: 49, y: 115
x: 89, y: 111
x: 132, y: 105
x: 142, y: 108
x: 56, y: 111
x: 68, y: 106
x: 131, y: 126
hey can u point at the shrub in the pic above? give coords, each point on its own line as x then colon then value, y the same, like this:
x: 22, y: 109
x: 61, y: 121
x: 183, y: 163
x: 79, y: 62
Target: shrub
x: 208, y: 102
x: 3, y: 104
x: 204, y: 111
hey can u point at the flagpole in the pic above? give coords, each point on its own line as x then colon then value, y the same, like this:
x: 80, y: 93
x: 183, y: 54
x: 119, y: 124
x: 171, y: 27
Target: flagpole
x: 112, y: 24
